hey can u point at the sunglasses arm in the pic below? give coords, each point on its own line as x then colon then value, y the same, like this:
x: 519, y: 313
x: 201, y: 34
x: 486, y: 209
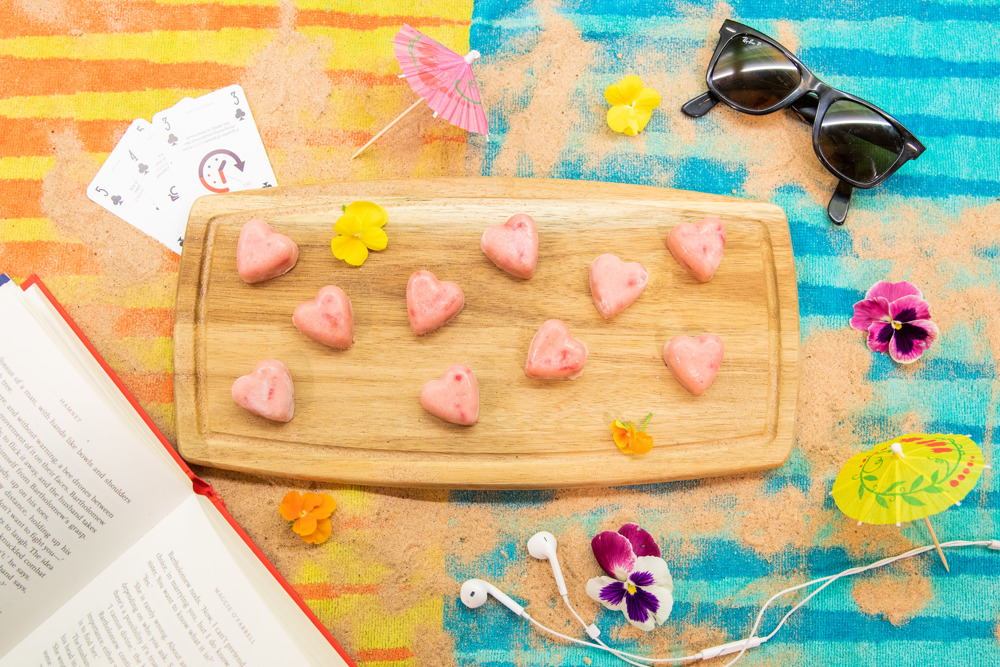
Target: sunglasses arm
x: 700, y: 105
x: 840, y: 203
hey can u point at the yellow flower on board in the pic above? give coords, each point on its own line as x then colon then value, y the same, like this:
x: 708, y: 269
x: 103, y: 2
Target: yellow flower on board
x: 629, y: 439
x: 310, y: 513
x: 360, y: 230
x: 631, y: 105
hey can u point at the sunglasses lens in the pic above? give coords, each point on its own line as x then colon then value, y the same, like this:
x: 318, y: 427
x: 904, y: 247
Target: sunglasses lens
x: 858, y: 142
x: 753, y: 74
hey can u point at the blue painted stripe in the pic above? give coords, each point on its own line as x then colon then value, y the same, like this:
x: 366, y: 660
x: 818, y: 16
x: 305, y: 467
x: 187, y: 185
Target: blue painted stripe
x: 858, y: 62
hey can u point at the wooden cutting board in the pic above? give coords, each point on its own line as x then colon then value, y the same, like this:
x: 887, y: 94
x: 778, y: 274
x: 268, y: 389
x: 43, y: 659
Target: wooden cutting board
x: 357, y: 414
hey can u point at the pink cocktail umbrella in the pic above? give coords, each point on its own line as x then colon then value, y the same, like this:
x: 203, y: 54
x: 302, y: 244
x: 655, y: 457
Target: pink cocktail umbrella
x: 442, y: 78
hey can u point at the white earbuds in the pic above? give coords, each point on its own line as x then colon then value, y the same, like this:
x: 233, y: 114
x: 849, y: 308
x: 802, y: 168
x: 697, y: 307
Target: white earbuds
x: 475, y: 592
x: 543, y: 547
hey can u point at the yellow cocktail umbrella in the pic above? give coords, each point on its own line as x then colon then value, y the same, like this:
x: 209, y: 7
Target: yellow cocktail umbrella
x: 907, y: 478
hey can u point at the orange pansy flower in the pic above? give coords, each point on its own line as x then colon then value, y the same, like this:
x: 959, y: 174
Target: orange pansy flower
x: 310, y: 513
x: 629, y: 439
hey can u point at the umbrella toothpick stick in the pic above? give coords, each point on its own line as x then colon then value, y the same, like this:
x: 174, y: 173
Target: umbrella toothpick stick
x: 937, y: 544
x: 387, y: 127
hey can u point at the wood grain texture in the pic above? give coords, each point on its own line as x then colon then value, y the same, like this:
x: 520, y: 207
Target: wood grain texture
x: 357, y: 415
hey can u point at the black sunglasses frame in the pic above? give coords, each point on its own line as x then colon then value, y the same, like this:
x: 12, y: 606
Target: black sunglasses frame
x: 826, y: 96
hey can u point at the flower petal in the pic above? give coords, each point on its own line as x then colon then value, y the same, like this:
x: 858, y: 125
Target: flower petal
x: 625, y: 91
x: 291, y: 506
x: 622, y: 119
x: 347, y: 225
x: 869, y: 311
x: 909, y: 308
x: 326, y: 507
x: 374, y: 238
x: 912, y: 339
x: 892, y: 291
x: 657, y: 568
x: 368, y: 213
x: 609, y: 592
x: 641, y: 443
x: 641, y: 608
x: 642, y: 542
x: 305, y: 525
x: 311, y: 501
x: 351, y: 250
x: 647, y: 100
x: 641, y: 119
x: 613, y: 553
x: 666, y: 600
x: 320, y: 535
x: 879, y: 336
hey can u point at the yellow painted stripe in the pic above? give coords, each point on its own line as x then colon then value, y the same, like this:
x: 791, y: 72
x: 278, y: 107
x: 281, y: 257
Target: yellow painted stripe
x: 228, y: 3
x: 31, y: 168
x: 94, y: 105
x: 145, y: 354
x: 460, y: 9
x: 159, y: 292
x: 372, y: 49
x: 229, y: 46
x: 19, y: 230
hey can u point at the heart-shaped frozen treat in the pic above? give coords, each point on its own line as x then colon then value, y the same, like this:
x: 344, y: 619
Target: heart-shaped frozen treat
x: 513, y: 246
x: 698, y: 248
x: 554, y: 353
x: 431, y: 303
x: 454, y: 397
x: 267, y: 391
x: 327, y: 319
x: 262, y: 253
x: 694, y: 361
x: 615, y: 285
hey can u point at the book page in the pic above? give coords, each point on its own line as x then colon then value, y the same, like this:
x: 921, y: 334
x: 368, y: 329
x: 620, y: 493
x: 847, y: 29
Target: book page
x: 174, y: 598
x: 77, y: 484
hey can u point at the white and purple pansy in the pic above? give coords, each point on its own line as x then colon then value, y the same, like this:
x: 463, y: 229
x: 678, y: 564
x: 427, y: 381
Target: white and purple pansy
x: 897, y: 319
x: 640, y: 585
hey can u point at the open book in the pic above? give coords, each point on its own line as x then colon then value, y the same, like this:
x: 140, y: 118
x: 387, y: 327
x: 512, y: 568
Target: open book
x: 111, y: 551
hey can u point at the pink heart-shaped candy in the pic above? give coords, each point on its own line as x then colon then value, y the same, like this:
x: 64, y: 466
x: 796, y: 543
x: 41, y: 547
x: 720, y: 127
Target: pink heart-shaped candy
x: 267, y: 391
x: 454, y: 397
x: 513, y: 246
x: 262, y: 253
x: 698, y: 248
x: 554, y: 353
x: 694, y: 362
x: 431, y: 303
x: 327, y: 319
x: 615, y: 285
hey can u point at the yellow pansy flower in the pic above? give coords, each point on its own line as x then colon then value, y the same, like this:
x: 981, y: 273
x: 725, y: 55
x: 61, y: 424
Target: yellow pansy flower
x: 631, y: 105
x: 360, y: 230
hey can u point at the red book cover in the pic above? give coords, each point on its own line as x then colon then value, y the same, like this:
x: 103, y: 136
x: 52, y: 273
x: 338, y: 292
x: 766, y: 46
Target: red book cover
x: 199, y: 486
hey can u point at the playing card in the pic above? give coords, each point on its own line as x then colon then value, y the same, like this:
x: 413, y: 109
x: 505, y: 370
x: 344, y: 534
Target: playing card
x: 125, y: 186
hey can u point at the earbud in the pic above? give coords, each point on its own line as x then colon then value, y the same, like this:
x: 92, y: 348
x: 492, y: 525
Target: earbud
x: 475, y: 592
x: 543, y: 547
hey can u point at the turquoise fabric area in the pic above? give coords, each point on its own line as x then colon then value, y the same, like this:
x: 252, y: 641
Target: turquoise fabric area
x: 933, y: 65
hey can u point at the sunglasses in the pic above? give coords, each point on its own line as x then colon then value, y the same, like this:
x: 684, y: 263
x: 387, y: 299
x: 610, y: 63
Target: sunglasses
x: 856, y: 141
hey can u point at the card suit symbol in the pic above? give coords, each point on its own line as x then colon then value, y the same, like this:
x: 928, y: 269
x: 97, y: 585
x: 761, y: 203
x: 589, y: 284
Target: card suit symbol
x: 116, y: 200
x: 173, y: 193
x: 172, y: 139
x: 267, y: 185
x: 143, y: 168
x: 180, y: 241
x: 240, y: 113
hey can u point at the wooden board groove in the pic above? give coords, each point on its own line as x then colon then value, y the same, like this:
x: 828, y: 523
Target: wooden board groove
x: 358, y: 419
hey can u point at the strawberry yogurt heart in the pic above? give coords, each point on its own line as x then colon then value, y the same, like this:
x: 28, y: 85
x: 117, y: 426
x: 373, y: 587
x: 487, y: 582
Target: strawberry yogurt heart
x: 267, y: 391
x: 615, y: 285
x: 694, y: 362
x: 262, y: 253
x: 513, y: 246
x: 327, y: 319
x: 454, y: 397
x: 698, y: 248
x: 431, y: 303
x: 554, y: 353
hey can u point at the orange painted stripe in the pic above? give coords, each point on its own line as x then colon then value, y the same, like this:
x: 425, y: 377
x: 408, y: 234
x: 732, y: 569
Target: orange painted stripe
x: 150, y: 387
x: 22, y: 258
x: 384, y: 654
x: 92, y: 16
x: 144, y: 322
x: 32, y: 136
x: 353, y: 523
x: 328, y: 591
x: 21, y: 199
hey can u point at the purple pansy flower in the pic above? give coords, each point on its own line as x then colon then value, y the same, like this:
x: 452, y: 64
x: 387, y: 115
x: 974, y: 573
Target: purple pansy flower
x: 897, y: 319
x: 640, y: 585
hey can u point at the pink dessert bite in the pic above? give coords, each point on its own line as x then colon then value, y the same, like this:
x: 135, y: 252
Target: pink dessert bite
x: 262, y: 253
x: 454, y: 397
x: 327, y: 319
x: 431, y: 303
x: 267, y: 391
x: 554, y: 353
x: 513, y: 246
x: 615, y: 285
x: 698, y: 248
x: 694, y: 362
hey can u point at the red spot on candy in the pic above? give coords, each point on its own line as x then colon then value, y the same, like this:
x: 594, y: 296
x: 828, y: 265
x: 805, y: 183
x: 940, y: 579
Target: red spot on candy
x: 458, y: 378
x: 954, y: 482
x: 632, y: 282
